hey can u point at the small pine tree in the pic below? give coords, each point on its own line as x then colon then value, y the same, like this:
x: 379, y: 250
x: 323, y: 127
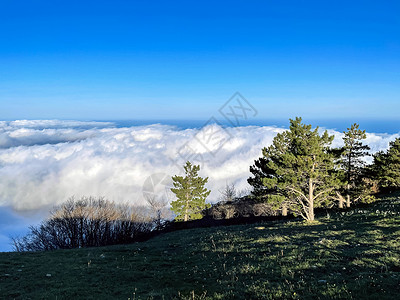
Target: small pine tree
x: 190, y: 193
x: 353, y: 164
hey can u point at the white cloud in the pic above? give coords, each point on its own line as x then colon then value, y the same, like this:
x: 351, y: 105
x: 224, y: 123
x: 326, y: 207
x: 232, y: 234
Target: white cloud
x: 29, y: 133
x: 42, y: 163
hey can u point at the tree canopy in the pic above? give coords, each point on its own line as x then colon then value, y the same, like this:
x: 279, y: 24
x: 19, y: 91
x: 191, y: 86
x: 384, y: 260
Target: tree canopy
x: 191, y: 194
x: 297, y: 170
x: 353, y: 163
x: 386, y: 166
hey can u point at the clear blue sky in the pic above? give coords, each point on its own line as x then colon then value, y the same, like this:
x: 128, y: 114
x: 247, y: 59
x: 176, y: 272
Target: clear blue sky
x: 183, y: 59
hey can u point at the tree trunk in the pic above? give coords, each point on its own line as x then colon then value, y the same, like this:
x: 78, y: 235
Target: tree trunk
x: 348, y: 196
x: 311, y: 211
x: 310, y: 200
x: 185, y: 218
x: 340, y: 199
x: 284, y: 209
x: 186, y: 214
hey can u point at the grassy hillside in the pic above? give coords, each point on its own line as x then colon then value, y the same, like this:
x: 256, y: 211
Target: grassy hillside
x: 352, y: 255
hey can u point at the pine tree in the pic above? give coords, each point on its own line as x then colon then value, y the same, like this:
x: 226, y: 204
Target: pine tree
x: 353, y: 164
x: 191, y: 194
x: 260, y: 170
x: 297, y: 170
x: 386, y: 166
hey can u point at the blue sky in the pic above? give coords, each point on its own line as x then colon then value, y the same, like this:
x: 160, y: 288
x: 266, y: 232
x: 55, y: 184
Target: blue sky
x: 183, y: 59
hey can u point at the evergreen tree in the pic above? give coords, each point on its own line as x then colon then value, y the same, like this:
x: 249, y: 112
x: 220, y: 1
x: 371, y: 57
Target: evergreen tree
x: 340, y: 191
x: 191, y: 194
x: 260, y: 170
x: 353, y: 164
x: 297, y: 171
x: 386, y: 166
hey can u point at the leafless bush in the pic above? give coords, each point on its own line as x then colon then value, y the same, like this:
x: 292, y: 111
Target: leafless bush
x: 158, y: 209
x: 240, y: 207
x: 224, y: 211
x: 86, y: 222
x: 263, y: 209
x: 228, y: 193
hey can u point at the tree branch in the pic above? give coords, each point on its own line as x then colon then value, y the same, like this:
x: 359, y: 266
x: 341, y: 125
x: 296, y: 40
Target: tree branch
x: 323, y: 192
x: 298, y: 192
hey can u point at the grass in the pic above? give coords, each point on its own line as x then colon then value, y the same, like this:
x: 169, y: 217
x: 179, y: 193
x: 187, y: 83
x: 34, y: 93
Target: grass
x: 348, y: 255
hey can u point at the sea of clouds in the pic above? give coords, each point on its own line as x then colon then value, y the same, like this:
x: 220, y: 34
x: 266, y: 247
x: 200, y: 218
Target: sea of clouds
x: 43, y: 163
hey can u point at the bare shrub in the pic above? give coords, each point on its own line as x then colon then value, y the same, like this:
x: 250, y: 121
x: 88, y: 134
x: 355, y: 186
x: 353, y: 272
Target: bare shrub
x: 158, y: 210
x: 86, y: 222
x: 263, y: 209
x: 228, y: 193
x: 223, y: 211
x: 240, y: 207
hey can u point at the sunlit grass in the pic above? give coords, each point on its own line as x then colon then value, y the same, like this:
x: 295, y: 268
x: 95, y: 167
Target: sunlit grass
x: 349, y: 255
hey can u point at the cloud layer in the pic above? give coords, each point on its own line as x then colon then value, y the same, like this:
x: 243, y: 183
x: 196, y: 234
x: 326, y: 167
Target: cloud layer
x: 42, y: 163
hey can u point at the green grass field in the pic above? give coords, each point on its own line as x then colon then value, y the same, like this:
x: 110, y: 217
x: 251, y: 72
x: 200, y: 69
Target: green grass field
x: 348, y: 255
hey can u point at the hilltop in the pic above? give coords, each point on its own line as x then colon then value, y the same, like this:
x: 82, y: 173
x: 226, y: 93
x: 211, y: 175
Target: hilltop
x: 351, y: 254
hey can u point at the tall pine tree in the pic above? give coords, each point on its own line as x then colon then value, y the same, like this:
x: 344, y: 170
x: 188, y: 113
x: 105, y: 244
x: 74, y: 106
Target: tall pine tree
x: 353, y: 164
x: 190, y: 193
x: 297, y: 170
